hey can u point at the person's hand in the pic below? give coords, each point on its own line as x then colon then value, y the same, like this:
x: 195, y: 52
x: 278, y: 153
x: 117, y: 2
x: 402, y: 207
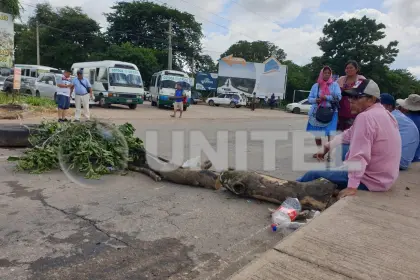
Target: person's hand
x: 347, y: 192
x: 320, y: 156
x: 318, y: 100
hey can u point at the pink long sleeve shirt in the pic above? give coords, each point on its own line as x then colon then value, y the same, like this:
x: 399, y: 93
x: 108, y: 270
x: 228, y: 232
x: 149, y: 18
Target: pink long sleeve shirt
x: 375, y: 146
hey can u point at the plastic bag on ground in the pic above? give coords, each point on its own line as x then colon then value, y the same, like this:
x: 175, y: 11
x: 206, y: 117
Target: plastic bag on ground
x: 193, y: 163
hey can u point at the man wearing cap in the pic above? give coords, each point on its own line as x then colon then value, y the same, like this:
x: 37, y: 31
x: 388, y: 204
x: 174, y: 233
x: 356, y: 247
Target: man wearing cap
x: 372, y: 162
x: 63, y: 95
x: 83, y: 93
x: 408, y: 131
x: 411, y: 108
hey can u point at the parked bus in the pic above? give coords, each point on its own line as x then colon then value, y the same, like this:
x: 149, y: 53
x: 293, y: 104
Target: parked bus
x: 113, y: 82
x: 162, y: 87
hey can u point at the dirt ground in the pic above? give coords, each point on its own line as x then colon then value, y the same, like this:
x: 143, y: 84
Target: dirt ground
x: 130, y: 227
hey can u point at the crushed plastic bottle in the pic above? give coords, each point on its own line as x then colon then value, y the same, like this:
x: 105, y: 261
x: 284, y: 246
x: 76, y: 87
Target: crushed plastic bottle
x: 285, y: 214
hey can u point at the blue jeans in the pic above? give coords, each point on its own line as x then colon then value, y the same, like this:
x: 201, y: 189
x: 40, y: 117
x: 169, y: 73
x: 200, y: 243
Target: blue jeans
x: 338, y: 177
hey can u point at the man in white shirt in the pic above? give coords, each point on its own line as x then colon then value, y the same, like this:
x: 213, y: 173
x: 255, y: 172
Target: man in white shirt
x: 63, y: 95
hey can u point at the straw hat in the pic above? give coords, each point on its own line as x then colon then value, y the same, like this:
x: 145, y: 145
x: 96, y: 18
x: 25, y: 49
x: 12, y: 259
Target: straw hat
x: 412, y: 103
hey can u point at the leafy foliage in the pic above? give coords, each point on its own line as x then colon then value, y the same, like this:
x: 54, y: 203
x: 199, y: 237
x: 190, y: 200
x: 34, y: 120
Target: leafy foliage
x: 67, y: 35
x: 257, y: 51
x: 145, y: 24
x: 11, y: 7
x: 90, y: 148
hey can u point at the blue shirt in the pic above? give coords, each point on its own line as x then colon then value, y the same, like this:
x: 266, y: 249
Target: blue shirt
x: 409, y: 138
x: 178, y: 92
x: 416, y: 119
x: 335, y: 92
x: 79, y: 89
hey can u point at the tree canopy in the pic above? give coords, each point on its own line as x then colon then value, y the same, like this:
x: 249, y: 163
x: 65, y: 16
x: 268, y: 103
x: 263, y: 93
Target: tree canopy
x: 146, y: 24
x: 138, y: 32
x: 257, y: 51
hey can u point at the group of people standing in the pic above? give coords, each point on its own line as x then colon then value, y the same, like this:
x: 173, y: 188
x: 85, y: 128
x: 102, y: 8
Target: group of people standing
x: 377, y: 133
x: 83, y: 93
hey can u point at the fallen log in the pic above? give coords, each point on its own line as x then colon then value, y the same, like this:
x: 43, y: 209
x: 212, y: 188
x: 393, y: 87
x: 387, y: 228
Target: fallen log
x: 314, y: 195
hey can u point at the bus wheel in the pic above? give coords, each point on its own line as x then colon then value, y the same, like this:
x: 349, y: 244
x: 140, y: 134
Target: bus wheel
x: 132, y: 106
x: 102, y: 102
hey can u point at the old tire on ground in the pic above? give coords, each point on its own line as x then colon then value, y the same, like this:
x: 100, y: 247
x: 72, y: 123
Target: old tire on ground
x: 132, y: 106
x: 296, y: 110
x: 15, y: 136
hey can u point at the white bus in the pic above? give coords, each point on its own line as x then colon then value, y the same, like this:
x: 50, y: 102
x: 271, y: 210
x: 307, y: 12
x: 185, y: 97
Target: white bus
x: 113, y: 82
x: 162, y: 86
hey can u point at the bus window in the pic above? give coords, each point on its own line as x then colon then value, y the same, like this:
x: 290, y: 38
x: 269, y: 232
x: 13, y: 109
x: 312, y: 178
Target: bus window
x: 92, y: 76
x: 33, y: 73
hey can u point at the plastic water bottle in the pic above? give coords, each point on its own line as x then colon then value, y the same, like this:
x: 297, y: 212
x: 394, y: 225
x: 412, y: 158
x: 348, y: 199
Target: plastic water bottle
x: 286, y: 213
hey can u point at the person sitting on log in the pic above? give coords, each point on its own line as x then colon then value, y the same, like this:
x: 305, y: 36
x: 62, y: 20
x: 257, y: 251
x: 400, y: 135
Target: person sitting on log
x: 373, y: 139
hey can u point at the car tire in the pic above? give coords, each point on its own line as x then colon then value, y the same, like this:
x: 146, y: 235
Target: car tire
x: 37, y: 94
x: 102, y: 102
x: 211, y: 103
x: 296, y: 110
x: 232, y: 105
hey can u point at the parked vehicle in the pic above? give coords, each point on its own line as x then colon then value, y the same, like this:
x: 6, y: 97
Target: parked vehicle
x: 113, y: 82
x: 162, y: 88
x: 25, y: 88
x: 233, y: 100
x: 46, y: 86
x: 300, y: 107
x: 196, y: 97
x: 4, y: 74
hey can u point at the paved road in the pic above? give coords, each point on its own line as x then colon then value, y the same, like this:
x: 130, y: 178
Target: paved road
x: 133, y: 228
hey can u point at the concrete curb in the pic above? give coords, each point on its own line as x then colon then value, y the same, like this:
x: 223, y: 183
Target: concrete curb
x: 15, y: 135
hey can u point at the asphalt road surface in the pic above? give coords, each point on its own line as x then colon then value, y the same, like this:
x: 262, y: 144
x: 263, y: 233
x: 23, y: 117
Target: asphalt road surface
x: 130, y: 227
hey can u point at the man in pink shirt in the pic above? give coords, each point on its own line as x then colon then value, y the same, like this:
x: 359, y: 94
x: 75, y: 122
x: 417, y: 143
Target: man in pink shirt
x: 373, y: 160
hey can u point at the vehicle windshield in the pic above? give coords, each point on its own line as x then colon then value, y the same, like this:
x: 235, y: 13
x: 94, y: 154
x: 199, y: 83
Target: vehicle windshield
x: 125, y: 77
x: 172, y: 85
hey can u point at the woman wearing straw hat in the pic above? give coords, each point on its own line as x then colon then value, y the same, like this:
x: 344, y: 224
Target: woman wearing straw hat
x: 411, y: 108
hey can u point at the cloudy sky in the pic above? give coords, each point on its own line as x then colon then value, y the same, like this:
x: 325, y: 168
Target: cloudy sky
x: 294, y: 25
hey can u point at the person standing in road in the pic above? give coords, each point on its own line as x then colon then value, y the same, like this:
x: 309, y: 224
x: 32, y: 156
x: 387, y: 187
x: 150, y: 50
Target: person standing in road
x: 179, y: 102
x: 63, y: 96
x: 254, y: 97
x: 83, y: 93
x: 347, y: 82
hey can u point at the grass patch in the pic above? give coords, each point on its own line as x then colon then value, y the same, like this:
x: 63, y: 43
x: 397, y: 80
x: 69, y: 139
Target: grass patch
x: 34, y: 102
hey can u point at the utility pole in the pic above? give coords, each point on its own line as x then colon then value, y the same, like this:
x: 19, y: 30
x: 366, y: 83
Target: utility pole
x: 170, y: 46
x: 38, y: 58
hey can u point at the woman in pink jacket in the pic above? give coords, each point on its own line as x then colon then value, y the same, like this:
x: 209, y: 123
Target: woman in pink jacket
x: 352, y: 77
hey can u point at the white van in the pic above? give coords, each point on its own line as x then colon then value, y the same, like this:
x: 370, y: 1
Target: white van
x: 113, y: 82
x: 162, y: 86
x: 31, y: 73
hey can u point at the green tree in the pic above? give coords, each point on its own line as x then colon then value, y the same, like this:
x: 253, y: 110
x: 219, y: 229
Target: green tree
x: 204, y: 63
x: 144, y: 58
x: 67, y: 35
x: 400, y: 83
x: 145, y: 24
x: 10, y: 7
x: 257, y: 51
x: 298, y: 78
x: 355, y: 39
